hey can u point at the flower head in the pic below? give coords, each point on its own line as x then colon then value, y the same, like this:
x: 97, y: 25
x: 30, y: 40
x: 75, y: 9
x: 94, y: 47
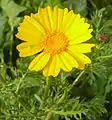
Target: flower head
x: 58, y: 36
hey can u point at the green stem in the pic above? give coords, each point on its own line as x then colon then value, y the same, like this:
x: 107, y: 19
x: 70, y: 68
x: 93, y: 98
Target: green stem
x: 3, y: 66
x: 20, y: 81
x: 67, y: 91
x: 11, y: 43
x: 47, y: 87
x: 46, y: 92
x: 107, y: 86
x: 1, y: 56
x: 69, y: 88
x: 49, y: 116
x: 77, y: 79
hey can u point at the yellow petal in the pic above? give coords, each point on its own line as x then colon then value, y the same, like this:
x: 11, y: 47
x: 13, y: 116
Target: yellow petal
x: 55, y: 17
x: 79, y: 30
x: 82, y: 38
x: 27, y: 35
x: 28, y: 49
x: 67, y: 62
x: 60, y: 18
x: 39, y: 62
x: 44, y: 18
x: 50, y: 14
x: 80, y: 58
x: 81, y: 48
x: 53, y: 67
x: 68, y: 20
x: 83, y: 58
x: 81, y: 66
x: 37, y: 18
x: 30, y: 30
x: 78, y: 25
x: 65, y: 13
x: 34, y: 23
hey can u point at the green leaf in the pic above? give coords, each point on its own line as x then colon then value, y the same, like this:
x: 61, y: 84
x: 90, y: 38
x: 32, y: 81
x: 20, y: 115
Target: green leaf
x: 11, y: 9
x: 78, y: 5
x: 2, y: 26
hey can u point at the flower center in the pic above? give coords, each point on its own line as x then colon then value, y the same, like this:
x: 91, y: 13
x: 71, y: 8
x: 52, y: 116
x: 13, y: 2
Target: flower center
x: 55, y: 42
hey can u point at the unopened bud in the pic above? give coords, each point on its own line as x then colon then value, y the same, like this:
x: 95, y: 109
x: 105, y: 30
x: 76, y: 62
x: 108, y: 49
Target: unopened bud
x: 104, y: 37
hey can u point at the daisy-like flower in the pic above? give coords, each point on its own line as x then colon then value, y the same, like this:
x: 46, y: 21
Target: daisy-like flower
x: 58, y: 36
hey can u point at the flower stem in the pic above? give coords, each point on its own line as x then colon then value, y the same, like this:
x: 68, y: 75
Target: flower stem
x: 49, y: 116
x: 47, y: 87
x: 106, y: 88
x: 77, y: 79
x: 46, y: 92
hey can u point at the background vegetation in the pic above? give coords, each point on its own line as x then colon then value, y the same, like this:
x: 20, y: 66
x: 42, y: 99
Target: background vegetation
x: 78, y: 95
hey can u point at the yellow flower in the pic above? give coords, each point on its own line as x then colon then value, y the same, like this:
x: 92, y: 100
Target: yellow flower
x: 58, y: 37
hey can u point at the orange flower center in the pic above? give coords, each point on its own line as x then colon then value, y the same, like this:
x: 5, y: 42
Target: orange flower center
x: 55, y: 42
